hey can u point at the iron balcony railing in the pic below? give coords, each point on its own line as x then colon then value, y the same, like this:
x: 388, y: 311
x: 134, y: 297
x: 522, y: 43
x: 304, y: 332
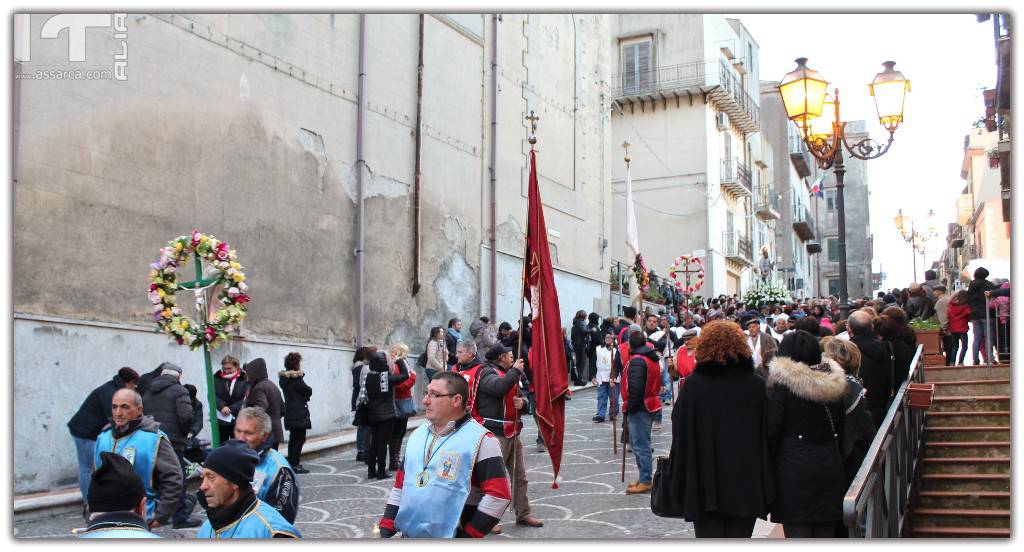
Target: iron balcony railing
x: 877, y: 502
x: 737, y: 247
x: 736, y: 177
x: 688, y: 80
x: 798, y: 153
x: 803, y: 222
x: 955, y: 238
x: 766, y: 205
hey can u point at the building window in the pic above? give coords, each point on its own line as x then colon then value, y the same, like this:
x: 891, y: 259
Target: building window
x: 833, y: 286
x: 636, y: 67
x: 830, y: 200
x: 833, y: 250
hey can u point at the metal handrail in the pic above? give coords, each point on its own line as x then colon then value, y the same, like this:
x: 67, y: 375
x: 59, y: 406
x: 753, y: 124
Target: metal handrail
x: 876, y: 504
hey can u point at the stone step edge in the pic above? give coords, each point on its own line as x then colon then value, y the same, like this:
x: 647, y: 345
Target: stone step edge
x: 963, y: 531
x: 973, y: 398
x: 959, y: 512
x: 954, y: 460
x: 968, y: 366
x: 964, y: 494
x: 966, y: 428
x: 967, y: 476
x: 952, y: 413
x: 970, y: 382
x: 968, y: 444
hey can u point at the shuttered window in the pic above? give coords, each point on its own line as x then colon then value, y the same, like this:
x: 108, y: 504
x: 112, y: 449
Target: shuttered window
x: 636, y: 67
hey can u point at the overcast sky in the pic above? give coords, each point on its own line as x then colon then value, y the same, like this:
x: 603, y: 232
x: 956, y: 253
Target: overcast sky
x: 948, y: 58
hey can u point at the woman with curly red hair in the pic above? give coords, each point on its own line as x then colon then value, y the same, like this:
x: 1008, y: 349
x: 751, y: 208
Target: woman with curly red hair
x: 721, y: 472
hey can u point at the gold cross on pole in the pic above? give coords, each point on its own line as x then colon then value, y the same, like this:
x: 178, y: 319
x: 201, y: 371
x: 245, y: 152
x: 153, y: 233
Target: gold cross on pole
x: 625, y: 146
x: 533, y: 127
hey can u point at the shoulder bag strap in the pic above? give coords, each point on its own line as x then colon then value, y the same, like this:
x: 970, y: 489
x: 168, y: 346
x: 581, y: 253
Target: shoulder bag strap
x: 892, y: 370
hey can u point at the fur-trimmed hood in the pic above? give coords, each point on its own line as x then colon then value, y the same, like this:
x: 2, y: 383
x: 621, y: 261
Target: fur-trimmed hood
x: 291, y: 373
x: 824, y: 383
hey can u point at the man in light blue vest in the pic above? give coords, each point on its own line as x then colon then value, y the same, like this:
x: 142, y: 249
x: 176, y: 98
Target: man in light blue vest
x: 452, y: 481
x: 117, y: 501
x: 139, y: 440
x: 232, y: 509
x: 274, y: 480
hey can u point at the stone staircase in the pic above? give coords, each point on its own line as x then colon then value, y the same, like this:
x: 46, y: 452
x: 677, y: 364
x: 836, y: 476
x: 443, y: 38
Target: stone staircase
x: 963, y: 488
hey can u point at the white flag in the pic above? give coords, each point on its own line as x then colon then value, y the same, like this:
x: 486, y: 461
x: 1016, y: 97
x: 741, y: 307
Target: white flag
x: 632, y: 240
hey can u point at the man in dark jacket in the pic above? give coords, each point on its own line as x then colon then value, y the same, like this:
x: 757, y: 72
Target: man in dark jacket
x: 274, y: 479
x: 88, y: 422
x: 452, y: 337
x: 976, y: 299
x: 876, y: 368
x: 230, y: 387
x: 265, y: 394
x: 168, y: 402
x: 579, y: 337
x: 641, y: 384
x: 498, y: 406
x: 380, y: 391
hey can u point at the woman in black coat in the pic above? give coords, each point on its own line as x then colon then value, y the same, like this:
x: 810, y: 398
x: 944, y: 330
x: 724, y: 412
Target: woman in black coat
x: 380, y: 392
x: 230, y: 388
x: 296, y: 407
x: 721, y: 471
x: 805, y: 429
x: 894, y: 329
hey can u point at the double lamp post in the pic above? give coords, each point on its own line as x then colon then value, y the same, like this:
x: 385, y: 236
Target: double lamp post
x: 916, y: 239
x: 816, y: 115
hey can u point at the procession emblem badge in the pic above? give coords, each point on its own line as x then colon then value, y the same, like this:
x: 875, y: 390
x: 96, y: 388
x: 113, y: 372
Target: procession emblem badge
x: 449, y: 466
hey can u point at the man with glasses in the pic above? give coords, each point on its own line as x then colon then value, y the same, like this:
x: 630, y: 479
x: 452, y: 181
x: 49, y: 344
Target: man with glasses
x: 457, y: 486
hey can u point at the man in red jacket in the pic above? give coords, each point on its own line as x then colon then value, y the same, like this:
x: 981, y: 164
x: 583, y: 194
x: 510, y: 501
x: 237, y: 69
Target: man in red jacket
x: 640, y: 385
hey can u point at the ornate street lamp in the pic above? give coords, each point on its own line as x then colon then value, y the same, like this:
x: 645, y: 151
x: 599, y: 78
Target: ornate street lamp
x: 917, y: 240
x: 805, y: 96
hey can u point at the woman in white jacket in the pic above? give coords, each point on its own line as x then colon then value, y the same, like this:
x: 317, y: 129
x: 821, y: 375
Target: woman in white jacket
x: 602, y: 379
x: 437, y: 354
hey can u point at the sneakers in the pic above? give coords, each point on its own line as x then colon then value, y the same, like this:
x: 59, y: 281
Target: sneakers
x: 186, y: 523
x: 639, y: 488
x: 530, y: 521
x: 299, y: 469
x: 597, y: 419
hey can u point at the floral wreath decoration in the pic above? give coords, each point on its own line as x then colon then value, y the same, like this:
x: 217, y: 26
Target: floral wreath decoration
x: 163, y: 283
x: 680, y: 264
x: 643, y: 278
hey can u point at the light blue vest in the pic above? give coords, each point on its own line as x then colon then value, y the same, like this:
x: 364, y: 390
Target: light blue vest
x: 271, y: 462
x: 118, y: 533
x: 432, y: 510
x: 260, y: 522
x: 140, y: 448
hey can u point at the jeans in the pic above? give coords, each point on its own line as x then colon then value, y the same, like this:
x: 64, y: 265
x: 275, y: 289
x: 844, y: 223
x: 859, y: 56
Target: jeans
x: 184, y: 509
x: 430, y: 374
x: 980, y: 331
x: 640, y: 440
x: 85, y: 449
x: 362, y: 439
x: 606, y: 391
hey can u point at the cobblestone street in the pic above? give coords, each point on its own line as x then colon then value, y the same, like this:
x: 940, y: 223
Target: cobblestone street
x: 339, y: 503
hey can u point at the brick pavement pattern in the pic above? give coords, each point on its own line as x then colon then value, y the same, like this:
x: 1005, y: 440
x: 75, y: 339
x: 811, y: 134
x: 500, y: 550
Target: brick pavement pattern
x: 590, y: 503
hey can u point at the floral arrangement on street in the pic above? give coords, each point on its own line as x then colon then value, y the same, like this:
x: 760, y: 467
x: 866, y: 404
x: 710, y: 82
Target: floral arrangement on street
x: 683, y: 264
x: 643, y: 278
x: 766, y: 294
x: 163, y: 283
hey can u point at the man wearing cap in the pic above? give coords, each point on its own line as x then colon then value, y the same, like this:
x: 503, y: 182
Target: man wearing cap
x: 138, y: 439
x: 117, y: 501
x: 169, y: 403
x: 274, y: 480
x: 232, y: 509
x: 763, y: 346
x: 498, y: 407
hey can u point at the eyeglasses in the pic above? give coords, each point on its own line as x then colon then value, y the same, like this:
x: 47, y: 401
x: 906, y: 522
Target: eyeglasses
x: 434, y: 396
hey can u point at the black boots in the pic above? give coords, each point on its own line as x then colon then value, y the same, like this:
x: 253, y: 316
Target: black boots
x: 394, y: 453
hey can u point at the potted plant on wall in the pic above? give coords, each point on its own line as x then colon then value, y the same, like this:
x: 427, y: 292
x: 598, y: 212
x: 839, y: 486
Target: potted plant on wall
x: 993, y: 158
x: 928, y: 335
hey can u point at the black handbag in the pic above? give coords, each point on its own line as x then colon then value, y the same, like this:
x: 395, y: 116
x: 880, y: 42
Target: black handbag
x: 362, y: 417
x: 663, y: 504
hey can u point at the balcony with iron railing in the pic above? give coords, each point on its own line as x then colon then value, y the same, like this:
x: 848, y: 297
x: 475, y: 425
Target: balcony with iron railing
x: 955, y: 238
x: 737, y: 248
x: 766, y: 204
x: 735, y: 177
x: 798, y: 153
x: 700, y: 80
x: 971, y: 253
x: 803, y: 222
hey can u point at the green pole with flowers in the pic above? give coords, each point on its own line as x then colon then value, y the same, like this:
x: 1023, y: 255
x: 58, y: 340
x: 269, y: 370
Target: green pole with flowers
x: 212, y: 328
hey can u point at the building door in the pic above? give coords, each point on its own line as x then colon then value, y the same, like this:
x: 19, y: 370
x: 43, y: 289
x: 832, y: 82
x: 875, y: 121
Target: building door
x: 732, y: 283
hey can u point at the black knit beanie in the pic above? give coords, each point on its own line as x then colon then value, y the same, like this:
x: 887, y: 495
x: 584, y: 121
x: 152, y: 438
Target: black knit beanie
x: 379, y: 362
x: 114, y: 486
x: 234, y: 461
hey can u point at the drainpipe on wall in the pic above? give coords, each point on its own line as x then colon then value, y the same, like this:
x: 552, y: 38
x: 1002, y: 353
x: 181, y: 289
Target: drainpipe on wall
x: 360, y: 200
x: 493, y: 311
x: 419, y: 166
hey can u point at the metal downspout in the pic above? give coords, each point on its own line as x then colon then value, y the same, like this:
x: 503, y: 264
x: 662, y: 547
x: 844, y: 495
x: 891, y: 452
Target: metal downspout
x: 493, y: 311
x: 360, y: 199
x: 417, y: 243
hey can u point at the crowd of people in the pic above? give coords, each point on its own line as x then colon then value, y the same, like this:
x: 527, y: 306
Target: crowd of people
x: 775, y: 407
